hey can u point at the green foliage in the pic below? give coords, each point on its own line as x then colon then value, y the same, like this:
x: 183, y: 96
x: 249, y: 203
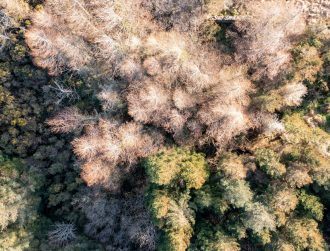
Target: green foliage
x: 311, y: 205
x: 282, y: 201
x: 227, y: 206
x: 209, y: 197
x: 170, y: 166
x: 236, y: 192
x: 16, y: 239
x: 18, y: 203
x: 307, y: 60
x: 304, y: 234
x: 270, y: 102
x: 213, y: 239
x: 43, y: 178
x: 308, y: 145
x: 10, y: 114
x: 168, y: 202
x: 19, y: 53
x: 5, y: 73
x: 174, y: 217
x: 260, y: 221
x: 268, y: 160
x: 234, y: 225
x: 231, y: 166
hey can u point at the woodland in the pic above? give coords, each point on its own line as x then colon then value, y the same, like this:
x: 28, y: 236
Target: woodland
x: 170, y: 125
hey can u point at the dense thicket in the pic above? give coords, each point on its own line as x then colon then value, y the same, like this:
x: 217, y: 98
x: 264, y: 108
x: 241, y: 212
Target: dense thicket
x: 194, y: 125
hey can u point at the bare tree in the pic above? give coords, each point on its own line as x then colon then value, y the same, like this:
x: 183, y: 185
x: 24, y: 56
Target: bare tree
x: 293, y: 93
x: 80, y: 35
x: 5, y: 23
x: 106, y: 174
x: 265, y: 36
x: 119, y: 222
x: 64, y: 92
x: 15, y: 9
x: 182, y: 14
x: 62, y: 234
x: 68, y: 120
x: 183, y: 100
x: 107, y: 145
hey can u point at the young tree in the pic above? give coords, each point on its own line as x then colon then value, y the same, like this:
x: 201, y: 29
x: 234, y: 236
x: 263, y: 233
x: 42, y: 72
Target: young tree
x: 298, y: 175
x: 282, y: 201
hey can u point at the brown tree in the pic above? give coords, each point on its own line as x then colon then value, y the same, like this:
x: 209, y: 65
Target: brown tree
x: 265, y: 34
x: 68, y: 120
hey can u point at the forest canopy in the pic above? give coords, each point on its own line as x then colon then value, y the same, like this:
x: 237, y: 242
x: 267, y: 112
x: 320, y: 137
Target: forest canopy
x: 171, y: 125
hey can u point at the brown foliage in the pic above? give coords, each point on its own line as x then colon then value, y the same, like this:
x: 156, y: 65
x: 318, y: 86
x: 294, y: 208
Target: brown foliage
x: 105, y: 146
x: 265, y: 36
x: 15, y: 9
x: 168, y: 82
x: 178, y: 86
x: 84, y: 36
x: 162, y: 79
